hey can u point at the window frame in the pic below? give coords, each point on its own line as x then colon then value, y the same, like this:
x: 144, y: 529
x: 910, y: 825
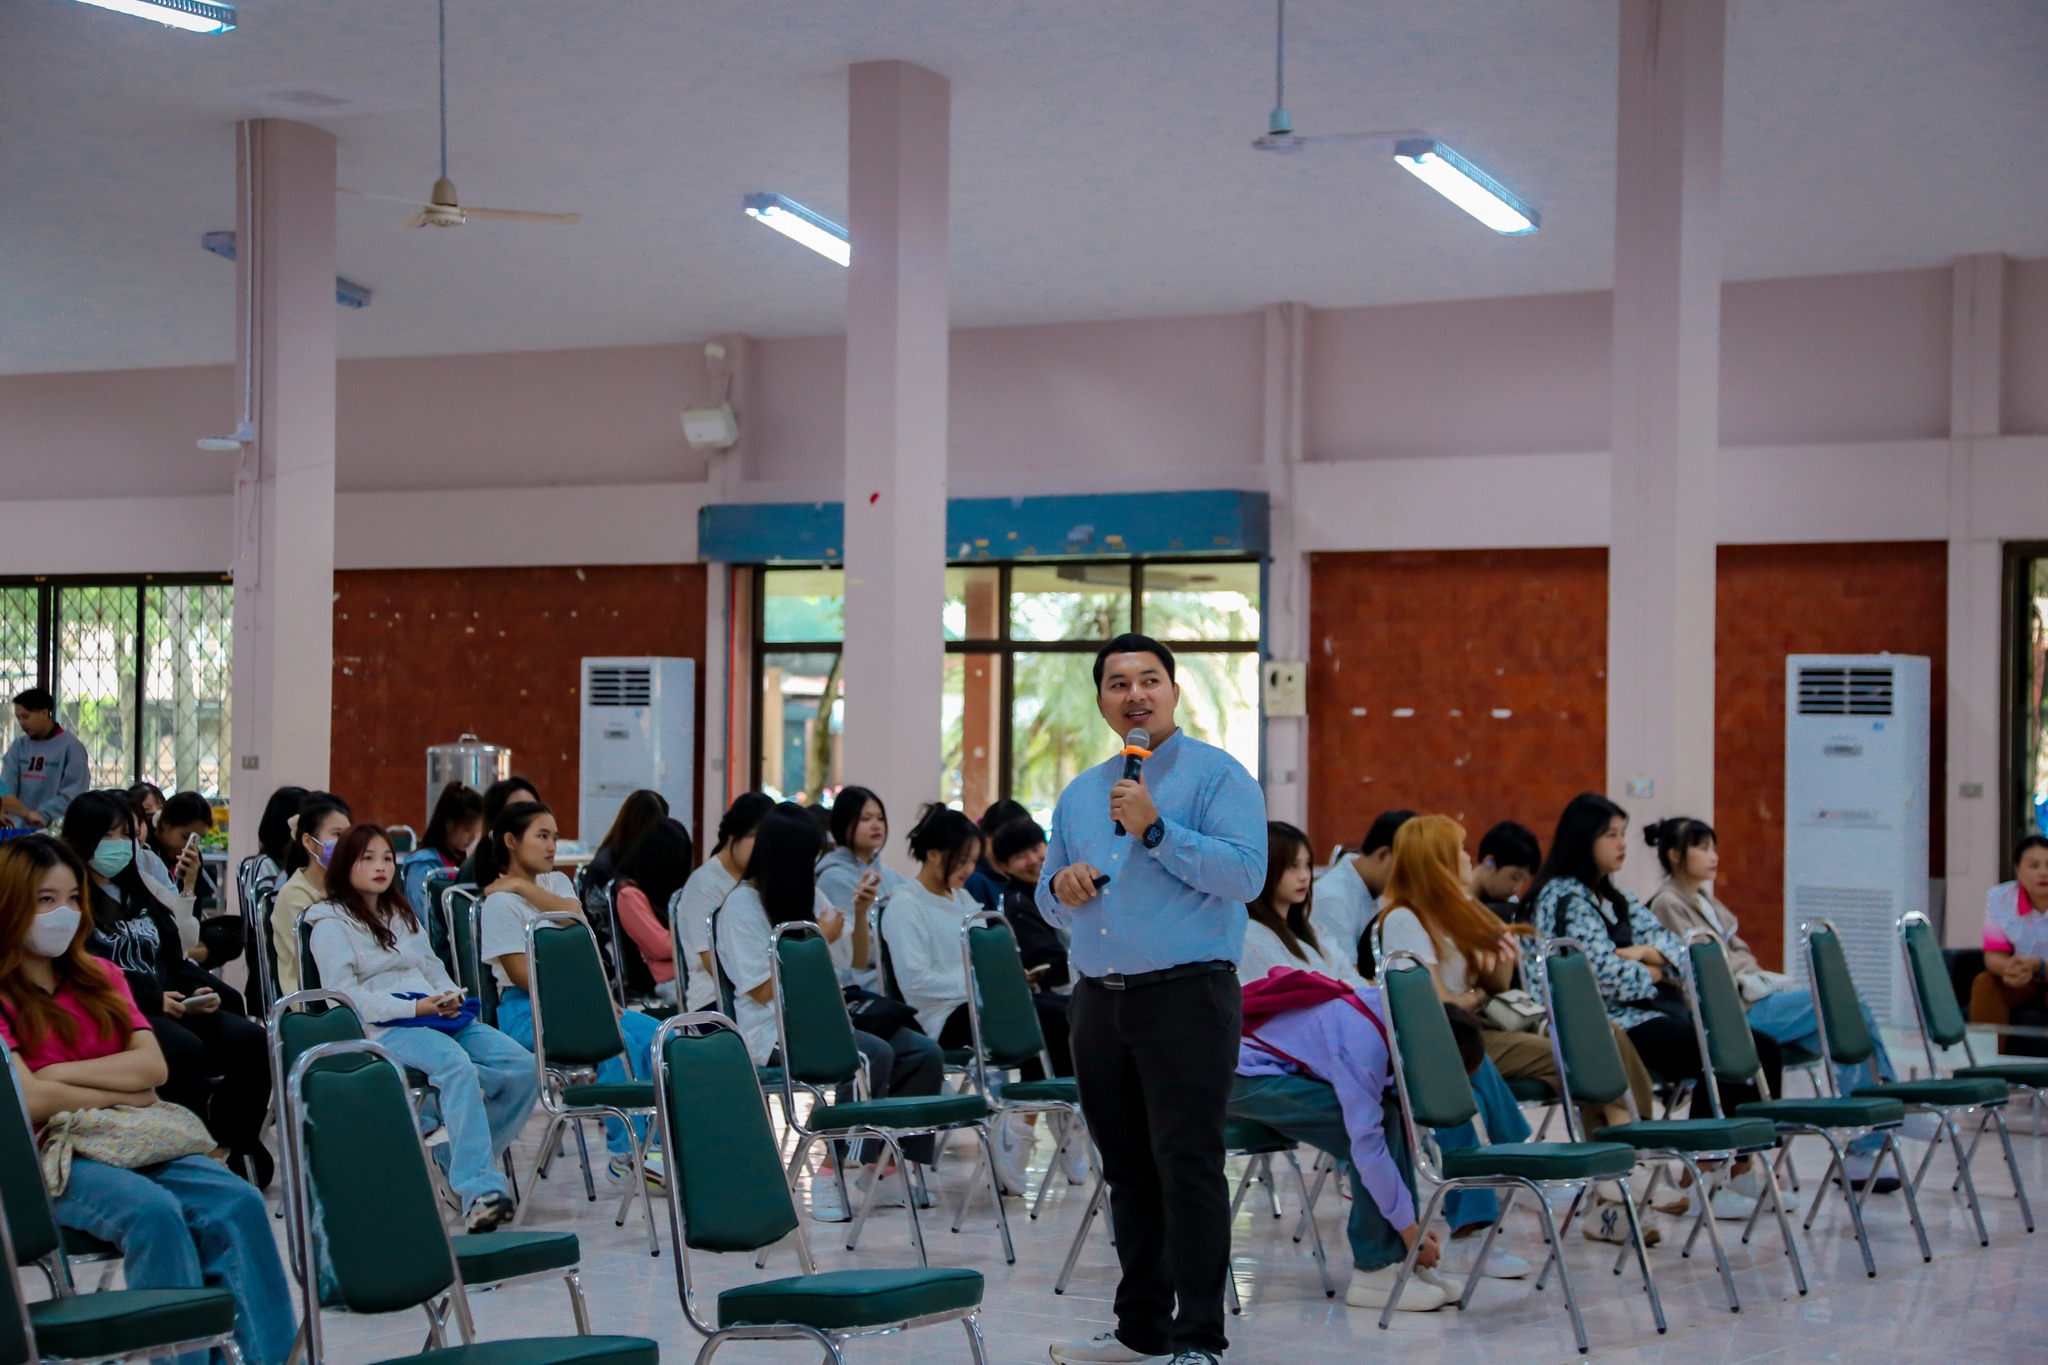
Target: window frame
x: 2015, y: 787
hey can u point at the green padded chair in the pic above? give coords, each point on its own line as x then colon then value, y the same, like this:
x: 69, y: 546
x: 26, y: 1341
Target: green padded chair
x: 1845, y: 1041
x: 959, y: 1061
x: 1004, y: 1023
x: 1589, y: 1066
x: 265, y: 951
x: 404, y: 838
x: 1942, y: 1022
x: 1722, y: 1026
x: 576, y: 1030
x: 728, y: 1193
x: 435, y: 916
x: 351, y: 1131
x: 114, y: 1324
x: 1436, y: 1093
x: 463, y: 912
x: 815, y: 1042
x: 306, y: 1019
x: 770, y: 1077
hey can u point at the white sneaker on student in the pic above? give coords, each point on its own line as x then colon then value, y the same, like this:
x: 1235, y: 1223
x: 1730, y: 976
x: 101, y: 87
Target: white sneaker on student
x: 1010, y: 1143
x: 1731, y: 1205
x: 1751, y: 1183
x: 1372, y: 1288
x: 1606, y: 1222
x: 827, y: 1205
x: 1100, y: 1349
x: 1501, y: 1264
x: 1074, y: 1160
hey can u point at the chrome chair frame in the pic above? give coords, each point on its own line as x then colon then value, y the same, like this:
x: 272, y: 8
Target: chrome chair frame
x: 2037, y: 1098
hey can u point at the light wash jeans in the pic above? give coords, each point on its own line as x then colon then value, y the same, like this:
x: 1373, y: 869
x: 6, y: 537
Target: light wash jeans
x: 1504, y: 1123
x: 515, y: 1017
x: 487, y: 1087
x: 1787, y: 1017
x: 189, y: 1224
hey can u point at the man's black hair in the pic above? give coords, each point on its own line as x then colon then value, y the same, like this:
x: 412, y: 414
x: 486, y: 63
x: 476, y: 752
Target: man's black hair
x: 1511, y: 845
x: 185, y: 808
x: 1130, y: 642
x: 39, y: 698
x: 1384, y: 827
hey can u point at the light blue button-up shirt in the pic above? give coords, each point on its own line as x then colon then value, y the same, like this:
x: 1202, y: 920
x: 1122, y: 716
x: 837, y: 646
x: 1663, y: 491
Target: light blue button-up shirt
x: 1180, y: 902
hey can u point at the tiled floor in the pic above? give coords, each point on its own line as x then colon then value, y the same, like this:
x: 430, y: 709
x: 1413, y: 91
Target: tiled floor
x: 1973, y: 1304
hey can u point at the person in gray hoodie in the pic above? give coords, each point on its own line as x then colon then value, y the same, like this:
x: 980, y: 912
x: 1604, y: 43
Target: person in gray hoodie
x: 45, y: 767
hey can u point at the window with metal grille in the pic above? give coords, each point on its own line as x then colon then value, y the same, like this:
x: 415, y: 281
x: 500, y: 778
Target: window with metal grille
x: 1843, y: 691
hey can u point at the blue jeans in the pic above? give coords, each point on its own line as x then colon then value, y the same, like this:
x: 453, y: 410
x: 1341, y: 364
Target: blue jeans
x: 515, y: 1017
x: 1504, y: 1123
x: 1307, y: 1111
x: 487, y: 1087
x: 1787, y: 1016
x: 189, y: 1224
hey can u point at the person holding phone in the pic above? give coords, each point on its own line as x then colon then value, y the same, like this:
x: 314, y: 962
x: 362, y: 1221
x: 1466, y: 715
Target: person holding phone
x: 853, y: 876
x: 369, y: 945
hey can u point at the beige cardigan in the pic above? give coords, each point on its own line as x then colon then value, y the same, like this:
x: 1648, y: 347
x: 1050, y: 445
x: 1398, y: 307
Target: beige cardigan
x: 1682, y: 914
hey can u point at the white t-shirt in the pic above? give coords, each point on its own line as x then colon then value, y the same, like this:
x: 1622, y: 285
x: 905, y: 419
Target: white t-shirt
x: 505, y: 918
x: 923, y: 932
x: 1263, y: 951
x: 690, y: 912
x: 1400, y: 930
x: 1342, y: 911
x: 744, y: 941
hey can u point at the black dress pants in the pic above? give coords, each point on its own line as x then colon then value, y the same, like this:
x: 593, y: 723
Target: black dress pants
x: 1155, y: 1064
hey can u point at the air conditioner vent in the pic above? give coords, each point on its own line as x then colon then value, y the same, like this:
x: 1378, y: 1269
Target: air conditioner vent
x: 1842, y: 691
x: 612, y: 685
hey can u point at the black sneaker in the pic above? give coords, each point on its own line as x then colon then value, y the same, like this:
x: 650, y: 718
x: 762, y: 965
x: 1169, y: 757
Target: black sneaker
x: 489, y: 1212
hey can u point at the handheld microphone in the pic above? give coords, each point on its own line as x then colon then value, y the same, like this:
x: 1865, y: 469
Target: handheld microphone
x: 1137, y: 748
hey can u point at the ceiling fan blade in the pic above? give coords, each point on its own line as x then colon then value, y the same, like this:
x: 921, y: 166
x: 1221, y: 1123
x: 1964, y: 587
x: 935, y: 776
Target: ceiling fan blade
x: 417, y: 220
x: 382, y: 198
x: 1369, y: 135
x: 525, y: 216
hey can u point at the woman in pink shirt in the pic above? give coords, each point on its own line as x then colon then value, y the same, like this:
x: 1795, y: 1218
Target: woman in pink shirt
x: 651, y: 872
x: 2013, y: 987
x: 77, y: 1042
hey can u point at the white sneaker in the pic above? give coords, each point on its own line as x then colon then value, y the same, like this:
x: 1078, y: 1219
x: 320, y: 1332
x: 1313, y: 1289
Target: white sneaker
x: 1607, y: 1223
x: 1372, y: 1289
x: 827, y: 1206
x: 1501, y: 1264
x: 1751, y: 1183
x: 1074, y: 1160
x: 1100, y: 1349
x: 1009, y: 1143
x: 1922, y: 1127
x: 1731, y: 1205
x: 621, y: 1169
x: 890, y: 1196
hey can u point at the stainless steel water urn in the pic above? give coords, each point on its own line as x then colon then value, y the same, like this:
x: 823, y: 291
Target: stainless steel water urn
x: 469, y: 761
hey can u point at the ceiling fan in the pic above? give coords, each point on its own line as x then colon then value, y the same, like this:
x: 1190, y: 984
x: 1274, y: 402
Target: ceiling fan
x: 442, y: 208
x: 1280, y: 135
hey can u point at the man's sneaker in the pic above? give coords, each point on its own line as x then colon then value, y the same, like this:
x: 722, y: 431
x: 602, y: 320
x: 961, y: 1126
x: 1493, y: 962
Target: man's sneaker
x: 1009, y: 1142
x: 621, y: 1168
x: 1607, y: 1223
x: 1101, y: 1349
x: 490, y: 1211
x: 826, y: 1204
x: 1372, y: 1288
x: 1501, y: 1264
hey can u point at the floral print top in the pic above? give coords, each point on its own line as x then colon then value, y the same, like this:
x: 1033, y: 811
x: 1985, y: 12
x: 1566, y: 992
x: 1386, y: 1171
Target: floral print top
x: 1568, y: 908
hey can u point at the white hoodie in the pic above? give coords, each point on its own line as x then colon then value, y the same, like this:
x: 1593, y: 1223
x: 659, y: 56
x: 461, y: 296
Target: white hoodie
x: 370, y: 975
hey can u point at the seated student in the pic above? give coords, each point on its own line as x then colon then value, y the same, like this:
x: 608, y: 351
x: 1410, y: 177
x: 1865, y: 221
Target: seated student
x: 322, y: 819
x: 852, y: 870
x: 1348, y: 895
x: 219, y: 1065
x: 500, y: 794
x: 370, y: 946
x: 691, y: 909
x: 452, y: 831
x: 44, y: 768
x: 79, y: 1042
x: 1635, y: 961
x: 639, y: 810
x: 650, y: 874
x: 1017, y: 852
x: 274, y: 835
x: 516, y: 868
x: 780, y: 887
x: 2013, y: 987
x: 1508, y: 858
x: 985, y: 883
x: 1280, y: 930
x: 149, y: 800
x: 185, y: 820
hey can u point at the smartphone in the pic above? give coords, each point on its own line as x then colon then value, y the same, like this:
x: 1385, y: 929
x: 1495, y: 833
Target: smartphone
x: 202, y: 1000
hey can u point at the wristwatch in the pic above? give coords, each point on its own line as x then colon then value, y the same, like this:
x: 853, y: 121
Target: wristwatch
x: 1155, y: 833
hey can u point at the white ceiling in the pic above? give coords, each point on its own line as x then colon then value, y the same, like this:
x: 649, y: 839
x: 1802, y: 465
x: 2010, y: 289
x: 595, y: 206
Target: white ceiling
x: 1100, y: 158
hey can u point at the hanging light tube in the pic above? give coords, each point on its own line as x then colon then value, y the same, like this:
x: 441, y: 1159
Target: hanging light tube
x: 1465, y: 185
x: 799, y: 224
x: 194, y: 16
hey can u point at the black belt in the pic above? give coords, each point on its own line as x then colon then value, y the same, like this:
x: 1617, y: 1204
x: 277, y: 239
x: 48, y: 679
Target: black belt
x: 1123, y: 981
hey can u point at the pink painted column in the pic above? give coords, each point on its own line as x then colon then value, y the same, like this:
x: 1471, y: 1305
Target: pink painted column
x: 284, y: 486
x: 1667, y: 381
x: 896, y: 358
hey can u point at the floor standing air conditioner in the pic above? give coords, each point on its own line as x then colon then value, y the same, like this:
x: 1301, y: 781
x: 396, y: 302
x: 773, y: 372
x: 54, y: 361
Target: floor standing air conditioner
x: 1856, y: 794
x: 639, y: 730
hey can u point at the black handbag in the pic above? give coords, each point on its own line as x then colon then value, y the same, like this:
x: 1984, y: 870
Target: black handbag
x: 878, y: 1015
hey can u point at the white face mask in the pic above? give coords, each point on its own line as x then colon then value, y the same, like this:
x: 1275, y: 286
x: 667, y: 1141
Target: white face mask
x: 52, y: 931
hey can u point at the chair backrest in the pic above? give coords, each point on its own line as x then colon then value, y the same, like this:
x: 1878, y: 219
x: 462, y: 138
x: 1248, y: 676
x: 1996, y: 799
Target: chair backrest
x: 1941, y: 1017
x: 31, y: 1223
x: 1728, y: 1045
x: 309, y: 968
x: 17, y: 1340
x: 724, y: 1171
x: 1588, y: 1062
x: 885, y: 965
x: 1839, y: 1008
x: 465, y: 930
x: 266, y: 946
x: 565, y: 974
x: 1006, y: 1031
x: 724, y: 982
x: 305, y: 1019
x: 615, y: 942
x: 433, y: 913
x: 404, y: 838
x: 362, y: 1183
x: 810, y: 1012
x: 1429, y: 1072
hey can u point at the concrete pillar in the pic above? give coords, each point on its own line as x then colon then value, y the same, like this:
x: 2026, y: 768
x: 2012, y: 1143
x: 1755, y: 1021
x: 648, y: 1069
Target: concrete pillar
x: 1284, y: 609
x: 896, y: 355
x: 1667, y: 339
x: 283, y: 549
x: 1976, y: 846
x: 981, y: 698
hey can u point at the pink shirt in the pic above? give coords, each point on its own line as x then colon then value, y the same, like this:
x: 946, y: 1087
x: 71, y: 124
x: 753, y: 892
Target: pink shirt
x: 649, y: 934
x: 91, y: 1041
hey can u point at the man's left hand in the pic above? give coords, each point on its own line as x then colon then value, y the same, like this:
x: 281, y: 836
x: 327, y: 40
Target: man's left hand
x: 1130, y: 805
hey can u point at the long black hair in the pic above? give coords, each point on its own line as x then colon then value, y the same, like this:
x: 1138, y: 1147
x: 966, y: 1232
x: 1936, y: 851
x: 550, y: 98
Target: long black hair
x: 274, y: 830
x: 659, y: 863
x: 783, y: 869
x: 492, y: 861
x: 456, y: 806
x: 1674, y: 837
x: 109, y: 814
x: 746, y: 811
x: 1585, y: 819
x: 847, y: 809
x: 637, y: 812
x: 505, y: 792
x: 1291, y: 924
x: 312, y: 813
x: 943, y: 830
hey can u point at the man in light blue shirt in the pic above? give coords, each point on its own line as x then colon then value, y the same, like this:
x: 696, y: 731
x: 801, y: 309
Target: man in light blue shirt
x: 1151, y: 876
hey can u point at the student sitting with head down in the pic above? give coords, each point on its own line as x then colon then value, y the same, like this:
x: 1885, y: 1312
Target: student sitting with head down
x: 650, y: 875
x: 368, y: 944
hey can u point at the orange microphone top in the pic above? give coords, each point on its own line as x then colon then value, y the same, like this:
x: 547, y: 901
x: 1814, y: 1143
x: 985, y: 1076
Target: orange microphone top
x: 1134, y: 749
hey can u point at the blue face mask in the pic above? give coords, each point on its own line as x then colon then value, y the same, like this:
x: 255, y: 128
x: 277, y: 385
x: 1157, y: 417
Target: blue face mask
x: 113, y: 857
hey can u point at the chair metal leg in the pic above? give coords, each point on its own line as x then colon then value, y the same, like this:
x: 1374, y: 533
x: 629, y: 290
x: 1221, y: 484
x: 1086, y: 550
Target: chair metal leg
x: 1553, y: 1229
x: 1706, y: 1220
x: 867, y: 1204
x: 1967, y: 1177
x: 1315, y: 1233
x: 1324, y: 1164
x: 1784, y: 1226
x: 995, y: 1193
x: 1891, y: 1142
x: 975, y: 1345
x: 909, y: 1199
x: 1564, y: 1275
x: 548, y: 1141
x: 967, y: 1192
x: 583, y: 1154
x: 1549, y: 1113
x: 1095, y: 1198
x: 1401, y: 1277
x: 577, y: 1306
x: 1486, y: 1249
x: 2019, y: 1187
x: 1635, y: 1233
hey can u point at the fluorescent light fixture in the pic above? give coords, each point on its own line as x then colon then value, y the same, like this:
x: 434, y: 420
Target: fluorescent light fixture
x: 194, y: 16
x: 799, y: 224
x: 1465, y: 185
